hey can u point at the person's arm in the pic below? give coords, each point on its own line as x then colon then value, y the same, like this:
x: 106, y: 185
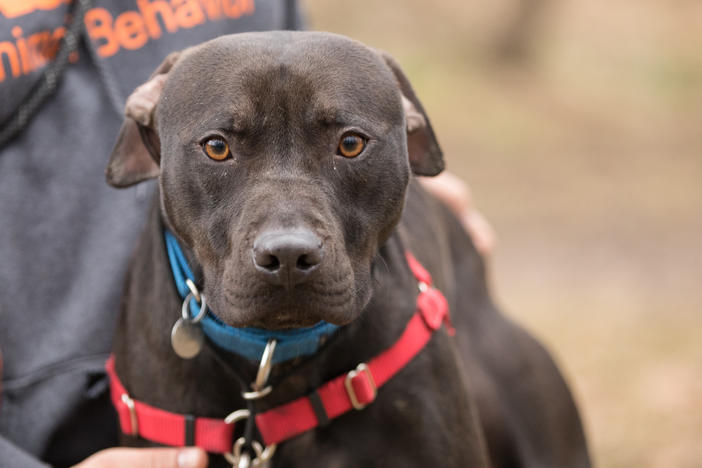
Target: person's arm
x: 456, y: 194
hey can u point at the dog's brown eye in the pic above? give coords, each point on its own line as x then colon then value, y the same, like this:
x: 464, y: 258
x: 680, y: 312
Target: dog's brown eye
x: 351, y: 145
x: 216, y: 149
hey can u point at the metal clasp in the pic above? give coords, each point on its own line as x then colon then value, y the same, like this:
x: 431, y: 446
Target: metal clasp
x: 264, y: 371
x: 348, y: 383
x: 240, y: 458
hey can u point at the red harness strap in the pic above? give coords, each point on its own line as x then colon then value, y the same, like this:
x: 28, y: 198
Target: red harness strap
x: 356, y: 389
x: 139, y: 419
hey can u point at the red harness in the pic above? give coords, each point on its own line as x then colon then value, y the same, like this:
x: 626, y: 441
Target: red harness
x: 355, y: 389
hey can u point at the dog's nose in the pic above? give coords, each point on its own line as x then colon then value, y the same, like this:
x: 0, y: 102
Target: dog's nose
x: 287, y: 257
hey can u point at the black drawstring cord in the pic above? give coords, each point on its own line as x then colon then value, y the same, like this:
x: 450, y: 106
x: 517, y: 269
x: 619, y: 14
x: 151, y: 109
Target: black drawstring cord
x: 47, y: 84
x: 250, y: 433
x: 114, y: 94
x: 250, y: 427
x: 290, y: 22
x: 49, y: 80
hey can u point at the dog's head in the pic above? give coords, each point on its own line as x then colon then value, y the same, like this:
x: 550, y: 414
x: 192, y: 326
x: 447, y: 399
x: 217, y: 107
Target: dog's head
x: 283, y: 159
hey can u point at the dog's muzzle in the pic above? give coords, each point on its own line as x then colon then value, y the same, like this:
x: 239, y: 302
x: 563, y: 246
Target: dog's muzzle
x: 287, y: 257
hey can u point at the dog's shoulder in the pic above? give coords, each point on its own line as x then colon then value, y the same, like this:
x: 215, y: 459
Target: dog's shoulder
x: 505, y: 365
x: 436, y: 237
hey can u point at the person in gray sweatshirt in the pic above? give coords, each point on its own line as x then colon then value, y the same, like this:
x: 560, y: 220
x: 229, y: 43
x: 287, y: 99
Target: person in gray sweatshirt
x: 65, y: 236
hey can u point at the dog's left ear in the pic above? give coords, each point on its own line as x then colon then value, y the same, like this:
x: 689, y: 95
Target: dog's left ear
x: 425, y: 155
x: 137, y: 151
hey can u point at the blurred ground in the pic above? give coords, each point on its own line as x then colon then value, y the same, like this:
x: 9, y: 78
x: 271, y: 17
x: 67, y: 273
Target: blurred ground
x: 586, y: 155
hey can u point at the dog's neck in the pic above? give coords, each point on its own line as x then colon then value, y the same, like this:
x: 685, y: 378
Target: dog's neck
x: 154, y: 305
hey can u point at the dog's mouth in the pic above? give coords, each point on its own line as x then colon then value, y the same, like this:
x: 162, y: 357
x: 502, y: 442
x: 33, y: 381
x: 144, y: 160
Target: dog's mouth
x: 284, y: 323
x: 246, y: 291
x: 278, y: 309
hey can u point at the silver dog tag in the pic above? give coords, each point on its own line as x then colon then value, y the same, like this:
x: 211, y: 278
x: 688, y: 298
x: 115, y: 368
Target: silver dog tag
x: 187, y: 338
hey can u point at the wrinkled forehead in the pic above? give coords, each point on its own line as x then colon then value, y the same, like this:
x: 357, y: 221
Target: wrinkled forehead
x: 322, y: 76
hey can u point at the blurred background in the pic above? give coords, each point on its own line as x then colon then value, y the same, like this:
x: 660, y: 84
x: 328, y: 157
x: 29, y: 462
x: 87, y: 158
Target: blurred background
x: 578, y: 125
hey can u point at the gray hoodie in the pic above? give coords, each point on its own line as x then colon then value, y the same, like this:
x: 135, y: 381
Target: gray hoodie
x: 65, y: 236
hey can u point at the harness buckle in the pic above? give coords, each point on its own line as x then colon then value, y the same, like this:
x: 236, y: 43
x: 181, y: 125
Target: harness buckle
x: 134, y: 424
x: 364, y: 388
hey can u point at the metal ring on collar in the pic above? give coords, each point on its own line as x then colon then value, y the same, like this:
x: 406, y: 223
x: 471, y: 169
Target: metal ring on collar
x: 185, y: 310
x: 264, y: 368
x: 236, y: 416
x: 264, y: 371
x: 256, y: 394
x: 193, y: 289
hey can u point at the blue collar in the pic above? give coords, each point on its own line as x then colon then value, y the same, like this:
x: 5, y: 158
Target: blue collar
x: 247, y: 342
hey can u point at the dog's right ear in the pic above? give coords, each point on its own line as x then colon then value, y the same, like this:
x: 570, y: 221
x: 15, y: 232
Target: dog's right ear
x: 425, y: 155
x: 136, y: 154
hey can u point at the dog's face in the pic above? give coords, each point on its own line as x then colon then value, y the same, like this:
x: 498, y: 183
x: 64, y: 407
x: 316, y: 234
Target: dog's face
x: 283, y: 163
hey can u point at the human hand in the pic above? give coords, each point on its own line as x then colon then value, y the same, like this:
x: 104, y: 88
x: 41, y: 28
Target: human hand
x: 189, y: 457
x: 455, y: 193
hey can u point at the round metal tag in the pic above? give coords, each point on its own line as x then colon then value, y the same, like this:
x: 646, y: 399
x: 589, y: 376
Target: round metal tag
x: 187, y: 338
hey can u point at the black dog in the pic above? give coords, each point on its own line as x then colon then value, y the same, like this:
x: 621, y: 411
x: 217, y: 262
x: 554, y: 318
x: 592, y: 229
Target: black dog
x: 283, y: 161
